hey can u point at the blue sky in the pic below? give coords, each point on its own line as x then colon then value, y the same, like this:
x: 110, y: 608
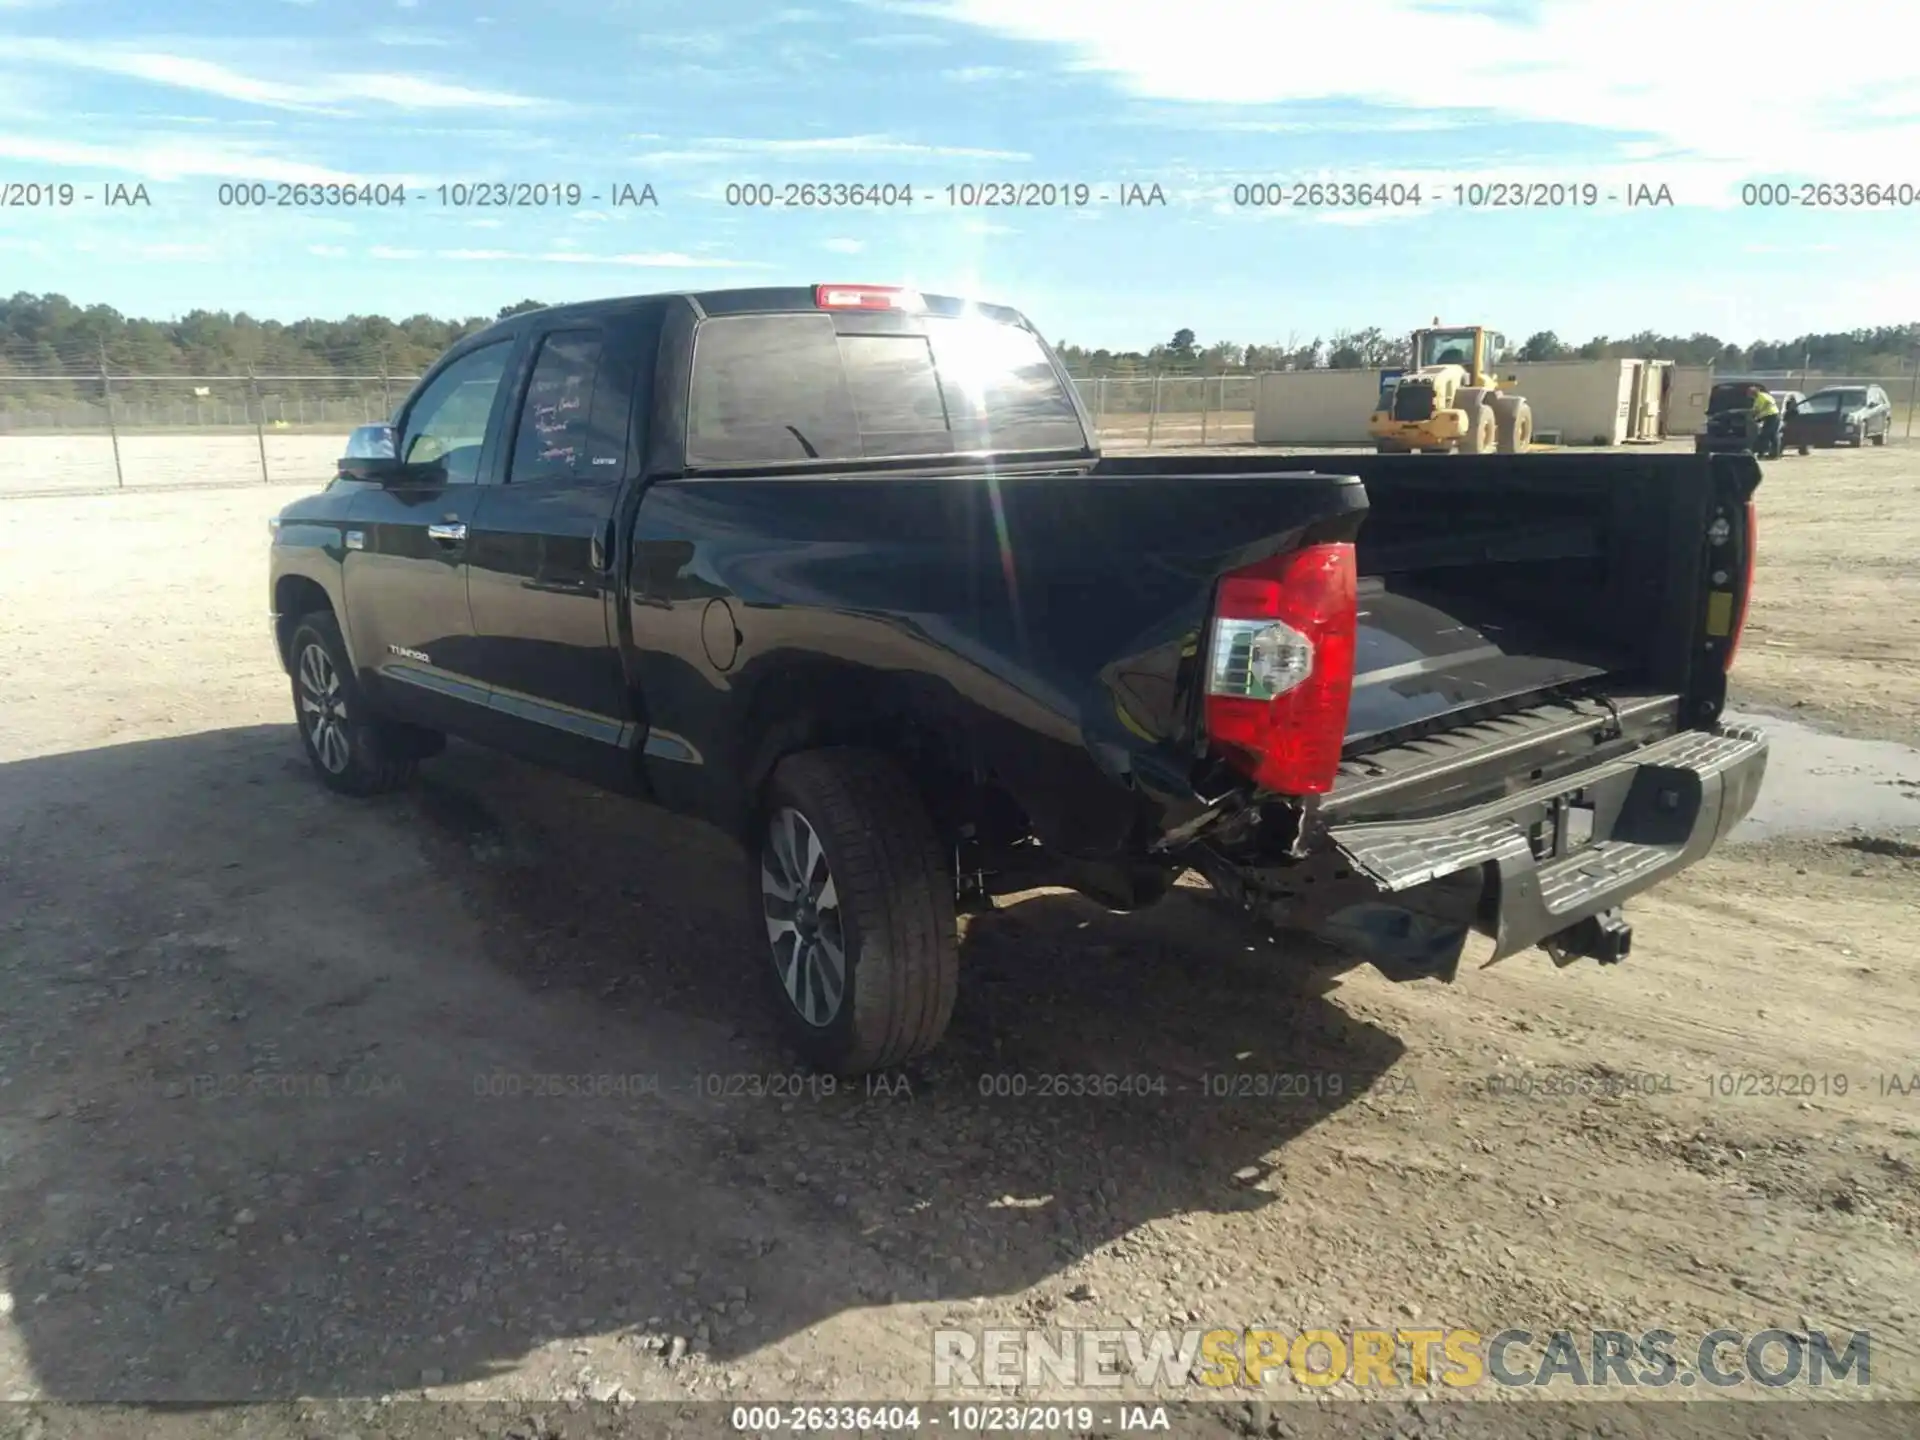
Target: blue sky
x: 1195, y: 97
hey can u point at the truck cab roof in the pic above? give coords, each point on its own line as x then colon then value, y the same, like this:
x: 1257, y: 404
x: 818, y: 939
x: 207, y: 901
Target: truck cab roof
x: 754, y: 300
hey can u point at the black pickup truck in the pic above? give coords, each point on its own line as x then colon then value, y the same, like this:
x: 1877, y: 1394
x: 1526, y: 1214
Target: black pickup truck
x: 842, y: 570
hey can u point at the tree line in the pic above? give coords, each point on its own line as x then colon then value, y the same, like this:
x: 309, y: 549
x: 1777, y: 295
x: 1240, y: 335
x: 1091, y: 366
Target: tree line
x: 51, y: 335
x: 1884, y: 349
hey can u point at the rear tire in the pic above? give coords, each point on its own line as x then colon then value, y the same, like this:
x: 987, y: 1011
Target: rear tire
x: 1806, y: 449
x: 1881, y: 438
x: 857, y: 903
x: 352, y: 750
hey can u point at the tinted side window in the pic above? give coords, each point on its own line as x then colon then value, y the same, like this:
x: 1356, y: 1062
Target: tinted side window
x: 448, y: 422
x: 555, y: 436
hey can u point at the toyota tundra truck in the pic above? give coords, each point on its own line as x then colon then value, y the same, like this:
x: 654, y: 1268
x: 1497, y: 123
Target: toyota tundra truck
x: 842, y: 570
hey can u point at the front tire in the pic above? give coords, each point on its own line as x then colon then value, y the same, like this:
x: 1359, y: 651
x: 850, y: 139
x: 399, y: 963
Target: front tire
x: 857, y: 899
x: 1513, y: 419
x: 351, y: 749
x: 1483, y: 429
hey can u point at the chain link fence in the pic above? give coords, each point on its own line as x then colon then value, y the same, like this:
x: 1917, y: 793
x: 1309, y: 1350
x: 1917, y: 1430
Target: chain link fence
x: 105, y: 430
x: 116, y: 431
x: 1142, y: 410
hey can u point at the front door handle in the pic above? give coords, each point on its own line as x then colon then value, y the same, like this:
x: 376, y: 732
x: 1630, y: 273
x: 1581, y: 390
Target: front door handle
x: 447, y: 534
x: 600, y: 552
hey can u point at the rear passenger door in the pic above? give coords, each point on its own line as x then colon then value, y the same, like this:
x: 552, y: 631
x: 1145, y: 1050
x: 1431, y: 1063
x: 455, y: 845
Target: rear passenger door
x: 542, y: 554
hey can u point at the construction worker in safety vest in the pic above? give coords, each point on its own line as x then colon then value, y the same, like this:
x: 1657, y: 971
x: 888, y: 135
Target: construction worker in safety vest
x: 1766, y: 419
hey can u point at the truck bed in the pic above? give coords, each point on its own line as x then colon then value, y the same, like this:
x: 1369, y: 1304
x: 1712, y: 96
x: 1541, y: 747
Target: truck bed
x: 1545, y: 586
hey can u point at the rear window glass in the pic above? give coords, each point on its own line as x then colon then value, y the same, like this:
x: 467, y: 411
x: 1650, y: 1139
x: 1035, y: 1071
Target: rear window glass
x: 792, y: 387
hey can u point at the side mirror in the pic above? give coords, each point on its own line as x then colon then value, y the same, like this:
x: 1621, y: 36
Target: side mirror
x: 373, y: 455
x: 373, y: 442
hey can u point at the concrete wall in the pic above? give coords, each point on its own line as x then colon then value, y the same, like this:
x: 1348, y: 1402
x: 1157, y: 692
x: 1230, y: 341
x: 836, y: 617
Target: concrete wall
x: 1314, y: 407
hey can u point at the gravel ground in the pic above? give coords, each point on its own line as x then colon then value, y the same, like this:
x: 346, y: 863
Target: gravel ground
x: 272, y: 1122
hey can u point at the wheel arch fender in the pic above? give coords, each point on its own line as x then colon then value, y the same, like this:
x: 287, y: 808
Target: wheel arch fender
x: 301, y: 587
x: 810, y: 702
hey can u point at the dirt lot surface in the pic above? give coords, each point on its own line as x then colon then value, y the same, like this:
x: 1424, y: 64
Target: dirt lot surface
x: 1836, y: 614
x: 272, y: 1120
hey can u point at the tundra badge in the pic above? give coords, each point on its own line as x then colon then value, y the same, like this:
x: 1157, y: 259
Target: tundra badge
x: 410, y: 654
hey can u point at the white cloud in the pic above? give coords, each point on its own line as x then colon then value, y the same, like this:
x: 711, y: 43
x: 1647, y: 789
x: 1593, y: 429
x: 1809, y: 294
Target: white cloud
x: 853, y: 147
x: 843, y: 246
x: 1714, y: 81
x: 170, y: 160
x: 976, y: 74
x: 205, y: 77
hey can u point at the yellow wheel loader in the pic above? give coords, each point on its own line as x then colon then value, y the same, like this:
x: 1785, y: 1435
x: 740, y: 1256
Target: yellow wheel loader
x: 1452, y: 398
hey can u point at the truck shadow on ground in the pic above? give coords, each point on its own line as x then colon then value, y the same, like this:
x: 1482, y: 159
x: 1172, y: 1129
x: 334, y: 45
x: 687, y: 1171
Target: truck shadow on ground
x: 276, y: 1065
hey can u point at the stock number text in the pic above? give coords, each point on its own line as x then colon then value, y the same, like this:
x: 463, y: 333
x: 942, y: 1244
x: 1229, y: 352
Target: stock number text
x: 1816, y: 196
x: 1276, y: 194
x: 799, y: 196
x: 242, y: 195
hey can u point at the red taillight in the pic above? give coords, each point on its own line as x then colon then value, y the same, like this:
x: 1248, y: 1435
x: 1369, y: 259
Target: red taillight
x: 866, y: 297
x: 1280, y: 668
x: 1745, y: 603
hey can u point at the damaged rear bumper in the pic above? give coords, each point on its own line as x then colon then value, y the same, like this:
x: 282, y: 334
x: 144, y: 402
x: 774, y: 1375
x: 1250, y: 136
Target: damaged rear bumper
x: 1549, y: 865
